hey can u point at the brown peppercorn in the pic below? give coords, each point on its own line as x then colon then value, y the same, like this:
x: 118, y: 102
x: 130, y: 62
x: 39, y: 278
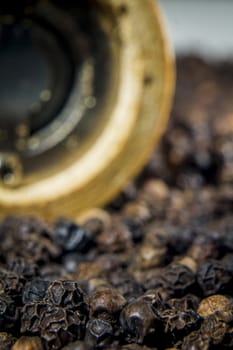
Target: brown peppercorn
x: 137, y: 210
x: 115, y: 238
x: 154, y: 191
x: 88, y: 270
x: 202, y: 249
x: 149, y: 257
x: 106, y: 302
x: 216, y: 303
x: 95, y: 220
x: 94, y: 283
x: 189, y: 262
x: 108, y: 262
x: 28, y: 343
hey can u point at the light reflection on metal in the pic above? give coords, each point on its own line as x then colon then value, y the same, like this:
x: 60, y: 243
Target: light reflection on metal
x: 102, y: 137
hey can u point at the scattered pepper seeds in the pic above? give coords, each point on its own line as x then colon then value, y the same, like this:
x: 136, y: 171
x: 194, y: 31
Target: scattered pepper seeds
x: 153, y: 270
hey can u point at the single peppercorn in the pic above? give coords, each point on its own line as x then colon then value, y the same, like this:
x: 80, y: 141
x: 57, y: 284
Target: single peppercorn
x: 216, y: 304
x: 98, y: 333
x: 115, y: 238
x: 59, y: 326
x: 214, y: 277
x: 138, y: 320
x: 28, y: 343
x: 177, y: 279
x: 106, y: 302
x: 177, y: 321
x: 72, y: 237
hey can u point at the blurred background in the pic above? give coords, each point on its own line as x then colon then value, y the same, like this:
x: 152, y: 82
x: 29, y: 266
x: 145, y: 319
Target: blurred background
x: 200, y: 26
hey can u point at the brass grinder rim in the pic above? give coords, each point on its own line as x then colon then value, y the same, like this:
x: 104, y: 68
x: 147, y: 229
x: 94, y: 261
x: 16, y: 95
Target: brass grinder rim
x: 145, y: 93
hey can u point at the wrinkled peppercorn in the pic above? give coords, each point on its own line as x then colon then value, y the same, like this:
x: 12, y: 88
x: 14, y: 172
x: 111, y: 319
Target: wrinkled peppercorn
x: 220, y: 304
x: 98, y: 333
x: 67, y: 294
x: 35, y: 290
x: 56, y: 325
x: 214, y: 277
x: 138, y: 320
x: 60, y: 317
x: 177, y: 279
x: 153, y: 270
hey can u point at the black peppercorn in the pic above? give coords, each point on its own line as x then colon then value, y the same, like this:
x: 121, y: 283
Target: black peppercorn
x: 177, y: 279
x: 67, y: 294
x: 152, y: 270
x: 98, y: 333
x: 72, y: 237
x: 138, y: 320
x: 8, y: 313
x: 35, y: 290
x: 214, y: 277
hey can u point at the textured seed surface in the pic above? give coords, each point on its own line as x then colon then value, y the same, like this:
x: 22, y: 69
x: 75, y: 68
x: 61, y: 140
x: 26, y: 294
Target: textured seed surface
x: 152, y: 270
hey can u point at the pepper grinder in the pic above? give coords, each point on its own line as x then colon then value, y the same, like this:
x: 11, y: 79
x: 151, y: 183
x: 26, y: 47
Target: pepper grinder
x: 85, y: 94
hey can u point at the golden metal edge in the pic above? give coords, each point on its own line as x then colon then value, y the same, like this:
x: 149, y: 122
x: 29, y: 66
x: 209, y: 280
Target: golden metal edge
x: 50, y: 210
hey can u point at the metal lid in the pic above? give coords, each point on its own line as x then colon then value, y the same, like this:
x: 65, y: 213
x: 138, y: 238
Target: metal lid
x: 99, y: 78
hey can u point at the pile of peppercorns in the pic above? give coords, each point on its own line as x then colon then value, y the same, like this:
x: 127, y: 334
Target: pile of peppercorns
x: 153, y: 270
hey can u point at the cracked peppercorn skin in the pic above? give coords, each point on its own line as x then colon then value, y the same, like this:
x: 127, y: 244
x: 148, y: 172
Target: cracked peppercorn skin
x: 152, y: 270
